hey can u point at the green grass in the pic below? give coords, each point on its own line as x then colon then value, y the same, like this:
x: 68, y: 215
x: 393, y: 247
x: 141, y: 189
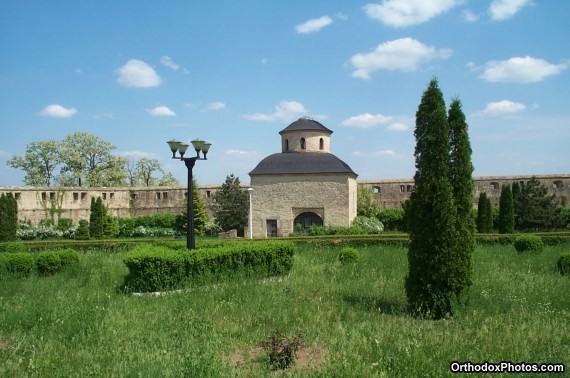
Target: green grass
x: 78, y: 323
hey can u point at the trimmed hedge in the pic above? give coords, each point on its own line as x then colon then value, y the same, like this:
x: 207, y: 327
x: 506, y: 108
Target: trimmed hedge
x: 45, y: 263
x: 563, y: 263
x: 14, y: 247
x: 168, y: 267
x: 528, y: 243
x: 348, y: 255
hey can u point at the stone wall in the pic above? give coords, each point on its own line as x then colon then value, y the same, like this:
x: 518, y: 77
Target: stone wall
x: 282, y: 198
x: 36, y: 203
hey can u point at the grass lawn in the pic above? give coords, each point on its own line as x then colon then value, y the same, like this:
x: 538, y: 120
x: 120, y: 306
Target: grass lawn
x: 353, y: 320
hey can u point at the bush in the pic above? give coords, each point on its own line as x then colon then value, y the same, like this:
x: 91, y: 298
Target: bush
x: 348, y: 255
x: 17, y: 263
x: 282, y: 350
x: 64, y: 224
x: 168, y: 266
x: 68, y: 257
x: 370, y: 225
x: 392, y: 219
x: 528, y: 243
x: 82, y: 232
x: 48, y: 263
x: 563, y: 263
x: 14, y: 247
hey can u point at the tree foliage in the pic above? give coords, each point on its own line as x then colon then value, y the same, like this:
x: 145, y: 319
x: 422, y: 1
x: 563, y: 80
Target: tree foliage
x: 200, y: 214
x: 461, y: 179
x: 8, y: 217
x: 536, y: 209
x: 506, y: 222
x: 232, y: 205
x: 39, y: 162
x: 484, y: 214
x: 433, y: 235
x: 97, y: 218
x: 83, y: 159
x: 366, y: 204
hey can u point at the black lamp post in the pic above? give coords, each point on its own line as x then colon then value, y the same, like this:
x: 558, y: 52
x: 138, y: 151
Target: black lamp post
x: 199, y: 145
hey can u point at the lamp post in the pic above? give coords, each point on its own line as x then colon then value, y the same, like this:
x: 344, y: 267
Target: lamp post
x: 250, y: 190
x: 200, y: 146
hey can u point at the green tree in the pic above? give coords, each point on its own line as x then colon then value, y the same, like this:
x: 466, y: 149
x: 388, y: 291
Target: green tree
x: 82, y: 232
x: 200, y: 215
x: 537, y: 209
x: 145, y: 171
x: 366, y: 204
x: 232, y: 205
x: 97, y: 218
x: 39, y: 162
x: 433, y: 235
x: 484, y: 214
x: 461, y: 179
x: 8, y: 217
x: 392, y: 219
x: 516, y: 189
x: 88, y: 161
x: 506, y: 223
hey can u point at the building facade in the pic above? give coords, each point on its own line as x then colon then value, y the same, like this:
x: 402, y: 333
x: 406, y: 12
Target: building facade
x: 303, y: 185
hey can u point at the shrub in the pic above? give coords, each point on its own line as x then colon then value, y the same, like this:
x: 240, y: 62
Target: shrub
x: 528, y: 243
x: 563, y: 263
x: 14, y: 247
x: 282, y: 350
x: 18, y: 263
x: 392, y: 219
x: 67, y: 256
x: 348, y: 255
x: 48, y: 263
x: 64, y: 224
x: 166, y: 266
x: 82, y: 232
x: 370, y: 225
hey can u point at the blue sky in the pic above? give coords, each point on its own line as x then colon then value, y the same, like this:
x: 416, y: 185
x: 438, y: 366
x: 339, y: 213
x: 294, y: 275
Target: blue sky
x: 235, y: 73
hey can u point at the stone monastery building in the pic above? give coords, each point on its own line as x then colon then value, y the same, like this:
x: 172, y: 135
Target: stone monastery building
x: 304, y: 184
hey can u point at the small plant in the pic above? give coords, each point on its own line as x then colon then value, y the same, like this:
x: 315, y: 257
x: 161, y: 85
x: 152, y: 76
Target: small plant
x: 282, y: 349
x: 348, y: 255
x: 563, y: 263
x: 528, y: 243
x: 48, y: 263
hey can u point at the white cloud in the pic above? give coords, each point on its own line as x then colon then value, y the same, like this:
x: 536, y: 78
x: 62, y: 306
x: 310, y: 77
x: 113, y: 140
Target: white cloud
x: 502, y: 108
x: 366, y: 120
x: 238, y: 152
x: 504, y: 9
x: 285, y: 110
x: 313, y: 25
x: 163, y: 111
x: 520, y: 70
x: 400, y: 13
x: 469, y: 16
x: 397, y: 126
x: 405, y: 54
x: 218, y: 105
x: 341, y: 16
x: 137, y: 74
x: 390, y: 153
x: 58, y: 111
x: 167, y: 62
x: 103, y: 116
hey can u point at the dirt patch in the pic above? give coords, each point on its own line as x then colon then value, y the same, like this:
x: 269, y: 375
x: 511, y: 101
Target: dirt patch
x: 307, y: 358
x: 3, y: 344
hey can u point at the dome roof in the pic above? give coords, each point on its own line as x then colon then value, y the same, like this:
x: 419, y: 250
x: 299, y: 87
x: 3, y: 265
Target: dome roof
x: 299, y: 163
x: 306, y: 123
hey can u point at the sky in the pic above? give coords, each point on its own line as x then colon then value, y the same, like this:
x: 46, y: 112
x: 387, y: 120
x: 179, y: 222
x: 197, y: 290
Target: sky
x: 235, y: 73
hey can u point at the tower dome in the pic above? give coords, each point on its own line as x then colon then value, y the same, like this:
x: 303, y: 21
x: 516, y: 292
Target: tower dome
x: 305, y: 135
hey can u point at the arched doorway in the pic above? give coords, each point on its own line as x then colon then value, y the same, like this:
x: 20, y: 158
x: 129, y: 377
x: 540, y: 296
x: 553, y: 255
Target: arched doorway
x: 306, y: 220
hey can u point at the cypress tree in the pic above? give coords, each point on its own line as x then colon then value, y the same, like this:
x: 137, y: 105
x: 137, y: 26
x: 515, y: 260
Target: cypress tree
x: 484, y: 214
x: 82, y: 232
x: 8, y: 217
x: 97, y: 218
x: 516, y: 189
x: 506, y: 211
x: 433, y: 235
x: 200, y: 215
x: 461, y: 178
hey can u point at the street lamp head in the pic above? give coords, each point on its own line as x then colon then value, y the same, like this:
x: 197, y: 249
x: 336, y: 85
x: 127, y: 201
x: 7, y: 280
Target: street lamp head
x: 250, y: 190
x: 182, y: 147
x: 206, y: 148
x: 197, y: 144
x: 173, y: 144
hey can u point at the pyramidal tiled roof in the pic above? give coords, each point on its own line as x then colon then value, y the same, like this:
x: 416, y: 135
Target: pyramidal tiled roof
x: 306, y: 123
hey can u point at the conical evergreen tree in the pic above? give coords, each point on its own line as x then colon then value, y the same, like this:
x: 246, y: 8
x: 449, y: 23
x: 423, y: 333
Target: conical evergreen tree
x: 8, y: 217
x: 506, y: 211
x: 461, y: 178
x: 484, y: 214
x: 433, y: 235
x: 200, y: 214
x: 97, y: 218
x: 232, y: 203
x: 516, y: 189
